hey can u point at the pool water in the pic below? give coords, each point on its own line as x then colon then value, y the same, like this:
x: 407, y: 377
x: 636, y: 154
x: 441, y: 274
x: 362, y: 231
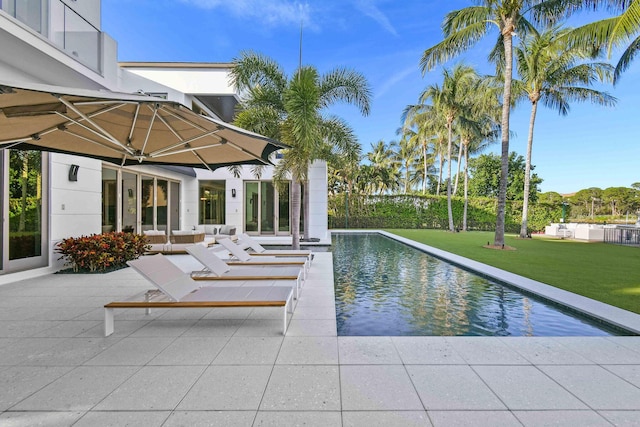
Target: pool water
x: 386, y: 288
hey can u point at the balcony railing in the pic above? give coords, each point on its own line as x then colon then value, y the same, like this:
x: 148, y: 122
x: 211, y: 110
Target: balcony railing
x: 61, y: 25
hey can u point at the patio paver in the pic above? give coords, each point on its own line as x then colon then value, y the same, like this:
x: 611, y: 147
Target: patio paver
x: 233, y: 367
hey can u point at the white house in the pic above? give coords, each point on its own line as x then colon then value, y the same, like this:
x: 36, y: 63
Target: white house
x: 59, y: 42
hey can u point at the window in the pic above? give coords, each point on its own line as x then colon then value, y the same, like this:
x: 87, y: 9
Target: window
x: 212, y: 202
x: 25, y: 204
x: 109, y: 199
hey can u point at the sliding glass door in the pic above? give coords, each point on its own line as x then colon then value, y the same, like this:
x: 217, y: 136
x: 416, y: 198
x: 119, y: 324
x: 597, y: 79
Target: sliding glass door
x: 266, y: 208
x: 24, y: 190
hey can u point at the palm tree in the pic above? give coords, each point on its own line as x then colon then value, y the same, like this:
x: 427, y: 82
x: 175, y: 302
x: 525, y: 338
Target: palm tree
x: 614, y: 32
x: 290, y: 109
x: 422, y: 123
x: 450, y: 101
x: 385, y: 166
x: 462, y: 29
x: 550, y: 73
x: 407, y: 154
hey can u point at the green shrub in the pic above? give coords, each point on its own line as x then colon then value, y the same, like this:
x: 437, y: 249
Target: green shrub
x: 100, y: 252
x: 429, y: 211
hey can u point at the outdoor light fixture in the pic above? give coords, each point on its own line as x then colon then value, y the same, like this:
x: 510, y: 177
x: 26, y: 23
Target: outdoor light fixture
x: 233, y: 192
x: 73, y: 172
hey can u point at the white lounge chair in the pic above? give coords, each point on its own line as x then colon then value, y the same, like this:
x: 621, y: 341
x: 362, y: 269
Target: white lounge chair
x: 244, y: 258
x: 256, y: 248
x: 217, y: 269
x: 176, y: 289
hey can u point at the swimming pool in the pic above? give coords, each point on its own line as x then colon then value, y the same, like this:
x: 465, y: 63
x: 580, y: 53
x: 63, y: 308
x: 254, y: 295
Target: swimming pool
x: 386, y: 288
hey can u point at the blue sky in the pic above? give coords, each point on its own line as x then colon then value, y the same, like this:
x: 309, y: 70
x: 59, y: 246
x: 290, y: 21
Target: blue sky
x: 383, y: 39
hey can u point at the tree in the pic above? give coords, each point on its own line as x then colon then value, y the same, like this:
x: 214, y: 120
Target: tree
x: 290, y: 109
x: 462, y: 29
x: 550, y: 73
x: 613, y: 32
x: 451, y: 101
x: 385, y: 166
x: 485, y: 181
x: 589, y: 199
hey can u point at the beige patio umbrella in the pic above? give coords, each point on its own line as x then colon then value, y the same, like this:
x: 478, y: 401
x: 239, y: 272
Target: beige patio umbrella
x: 121, y: 128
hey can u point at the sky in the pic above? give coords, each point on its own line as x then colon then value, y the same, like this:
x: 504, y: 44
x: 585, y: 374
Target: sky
x: 593, y: 146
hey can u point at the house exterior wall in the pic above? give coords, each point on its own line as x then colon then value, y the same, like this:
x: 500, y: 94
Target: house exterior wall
x: 75, y: 208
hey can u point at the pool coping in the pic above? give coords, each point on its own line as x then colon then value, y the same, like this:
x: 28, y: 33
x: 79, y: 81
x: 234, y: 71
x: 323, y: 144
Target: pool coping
x: 616, y: 316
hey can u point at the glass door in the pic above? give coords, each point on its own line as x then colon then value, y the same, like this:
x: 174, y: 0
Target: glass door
x: 251, y: 207
x: 174, y: 204
x: 24, y: 181
x: 129, y: 202
x: 109, y: 200
x: 266, y: 208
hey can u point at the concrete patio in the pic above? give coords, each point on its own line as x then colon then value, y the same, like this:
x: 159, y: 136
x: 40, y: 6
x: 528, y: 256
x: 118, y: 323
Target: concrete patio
x: 232, y: 367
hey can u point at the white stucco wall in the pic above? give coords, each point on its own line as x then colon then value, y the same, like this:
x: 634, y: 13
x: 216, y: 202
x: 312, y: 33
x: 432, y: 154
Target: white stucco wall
x: 195, y: 81
x: 318, y: 200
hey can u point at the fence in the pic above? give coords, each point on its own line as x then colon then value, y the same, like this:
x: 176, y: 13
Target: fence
x: 622, y: 236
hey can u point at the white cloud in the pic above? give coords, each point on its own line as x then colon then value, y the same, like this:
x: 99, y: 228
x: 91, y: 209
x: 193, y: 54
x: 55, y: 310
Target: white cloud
x: 369, y: 8
x: 272, y: 13
x: 394, y: 80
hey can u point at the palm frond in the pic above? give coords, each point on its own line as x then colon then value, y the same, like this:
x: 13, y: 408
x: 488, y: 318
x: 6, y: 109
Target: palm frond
x: 625, y: 60
x: 453, y: 45
x: 344, y: 85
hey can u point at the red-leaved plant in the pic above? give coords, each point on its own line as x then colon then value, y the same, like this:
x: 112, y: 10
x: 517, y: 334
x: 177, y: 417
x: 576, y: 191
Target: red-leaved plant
x: 100, y: 252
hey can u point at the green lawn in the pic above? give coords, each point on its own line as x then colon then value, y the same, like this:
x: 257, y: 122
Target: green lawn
x: 608, y: 273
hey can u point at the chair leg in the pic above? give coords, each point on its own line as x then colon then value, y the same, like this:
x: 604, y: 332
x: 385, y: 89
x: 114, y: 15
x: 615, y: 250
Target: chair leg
x: 108, y: 321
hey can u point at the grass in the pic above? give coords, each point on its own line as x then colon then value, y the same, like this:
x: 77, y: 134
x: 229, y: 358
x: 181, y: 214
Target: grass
x: 604, y: 272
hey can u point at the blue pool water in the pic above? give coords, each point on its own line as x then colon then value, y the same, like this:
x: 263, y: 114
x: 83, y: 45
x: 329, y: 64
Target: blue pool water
x: 384, y: 287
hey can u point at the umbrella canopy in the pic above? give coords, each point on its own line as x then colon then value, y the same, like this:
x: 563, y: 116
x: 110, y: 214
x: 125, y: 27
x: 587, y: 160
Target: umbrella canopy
x: 123, y: 128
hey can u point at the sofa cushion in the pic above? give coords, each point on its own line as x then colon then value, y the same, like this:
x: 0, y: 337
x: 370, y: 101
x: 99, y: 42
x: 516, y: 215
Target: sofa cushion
x: 155, y: 236
x: 186, y: 237
x: 228, y: 230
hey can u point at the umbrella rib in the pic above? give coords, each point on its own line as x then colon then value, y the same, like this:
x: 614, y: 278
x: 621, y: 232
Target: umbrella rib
x: 184, y: 142
x: 133, y: 124
x: 83, y: 126
x: 184, y: 150
x: 248, y: 153
x: 184, y: 119
x: 153, y: 119
x: 88, y: 120
x: 101, y: 144
x: 199, y: 157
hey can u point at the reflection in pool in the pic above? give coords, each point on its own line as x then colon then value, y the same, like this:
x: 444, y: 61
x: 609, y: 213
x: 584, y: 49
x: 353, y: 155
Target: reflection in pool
x: 384, y: 287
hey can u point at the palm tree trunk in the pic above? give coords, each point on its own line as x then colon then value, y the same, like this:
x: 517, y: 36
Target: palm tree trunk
x: 424, y: 165
x: 455, y: 187
x: 449, y: 210
x: 295, y: 213
x: 527, y: 172
x: 506, y: 109
x: 441, y: 160
x: 306, y: 237
x: 466, y: 188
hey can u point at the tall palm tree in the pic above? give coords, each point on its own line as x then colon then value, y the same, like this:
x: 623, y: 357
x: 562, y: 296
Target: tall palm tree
x: 291, y: 109
x: 462, y: 29
x: 422, y: 123
x: 451, y: 101
x: 385, y: 166
x: 555, y: 74
x: 407, y: 154
x: 614, y: 32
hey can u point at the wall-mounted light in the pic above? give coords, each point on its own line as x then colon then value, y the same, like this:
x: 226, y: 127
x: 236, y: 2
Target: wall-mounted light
x: 73, y: 172
x: 233, y: 192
